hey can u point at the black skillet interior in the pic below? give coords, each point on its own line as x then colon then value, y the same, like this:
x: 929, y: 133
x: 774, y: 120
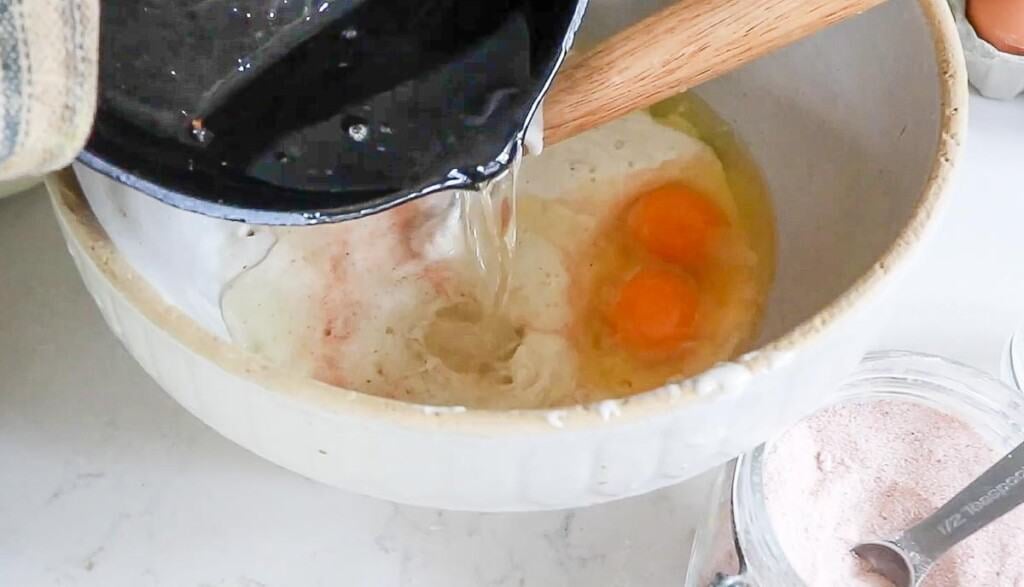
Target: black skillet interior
x: 306, y: 111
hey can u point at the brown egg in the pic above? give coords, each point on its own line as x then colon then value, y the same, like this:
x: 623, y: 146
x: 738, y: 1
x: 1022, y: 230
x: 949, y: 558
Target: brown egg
x: 1000, y: 22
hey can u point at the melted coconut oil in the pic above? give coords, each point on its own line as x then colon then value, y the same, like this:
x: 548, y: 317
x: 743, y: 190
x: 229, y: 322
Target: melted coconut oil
x: 474, y: 335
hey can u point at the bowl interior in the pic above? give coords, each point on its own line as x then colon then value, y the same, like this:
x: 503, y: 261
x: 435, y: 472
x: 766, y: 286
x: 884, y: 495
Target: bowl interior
x: 845, y: 127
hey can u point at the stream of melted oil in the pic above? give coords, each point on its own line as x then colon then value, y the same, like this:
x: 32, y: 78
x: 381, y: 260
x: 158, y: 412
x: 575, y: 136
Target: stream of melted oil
x: 474, y: 334
x: 490, y: 229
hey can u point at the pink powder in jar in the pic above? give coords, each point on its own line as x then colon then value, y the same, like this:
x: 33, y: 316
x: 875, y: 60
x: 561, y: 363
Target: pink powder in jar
x: 868, y: 470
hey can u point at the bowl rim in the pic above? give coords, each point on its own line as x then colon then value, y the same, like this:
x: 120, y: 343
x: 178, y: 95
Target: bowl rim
x: 77, y: 218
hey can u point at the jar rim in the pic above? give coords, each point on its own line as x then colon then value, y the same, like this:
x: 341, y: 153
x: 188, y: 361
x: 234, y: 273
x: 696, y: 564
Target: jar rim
x: 992, y: 408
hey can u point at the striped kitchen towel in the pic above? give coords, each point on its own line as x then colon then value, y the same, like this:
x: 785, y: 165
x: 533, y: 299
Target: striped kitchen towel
x: 48, y: 71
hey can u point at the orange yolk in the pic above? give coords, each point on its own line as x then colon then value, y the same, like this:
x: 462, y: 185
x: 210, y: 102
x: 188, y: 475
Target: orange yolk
x: 676, y: 224
x: 655, y: 310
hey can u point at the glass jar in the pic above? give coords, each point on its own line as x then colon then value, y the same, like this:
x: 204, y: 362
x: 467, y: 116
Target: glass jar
x: 737, y: 547
x: 1013, y: 360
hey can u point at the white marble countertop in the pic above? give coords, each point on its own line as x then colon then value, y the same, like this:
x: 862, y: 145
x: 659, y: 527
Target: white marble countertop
x: 105, y: 481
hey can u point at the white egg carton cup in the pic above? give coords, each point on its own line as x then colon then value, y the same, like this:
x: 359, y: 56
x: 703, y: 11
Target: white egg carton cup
x: 992, y: 72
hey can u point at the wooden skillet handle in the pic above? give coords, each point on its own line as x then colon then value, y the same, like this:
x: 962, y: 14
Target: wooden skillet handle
x: 678, y: 47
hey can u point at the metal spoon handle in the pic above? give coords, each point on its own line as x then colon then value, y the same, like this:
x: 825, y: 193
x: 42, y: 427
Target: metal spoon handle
x: 994, y: 493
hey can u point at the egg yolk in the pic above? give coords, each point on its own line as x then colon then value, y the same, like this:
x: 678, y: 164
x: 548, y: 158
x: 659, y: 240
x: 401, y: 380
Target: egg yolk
x: 676, y: 224
x: 655, y: 310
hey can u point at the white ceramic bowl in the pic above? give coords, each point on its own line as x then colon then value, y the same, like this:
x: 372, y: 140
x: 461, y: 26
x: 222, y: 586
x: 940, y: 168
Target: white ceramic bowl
x: 856, y: 129
x: 9, y: 188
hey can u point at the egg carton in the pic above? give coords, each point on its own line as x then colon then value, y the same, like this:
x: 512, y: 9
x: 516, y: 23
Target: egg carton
x: 994, y: 73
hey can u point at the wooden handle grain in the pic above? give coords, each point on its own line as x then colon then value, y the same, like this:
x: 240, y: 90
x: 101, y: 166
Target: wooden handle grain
x: 678, y: 47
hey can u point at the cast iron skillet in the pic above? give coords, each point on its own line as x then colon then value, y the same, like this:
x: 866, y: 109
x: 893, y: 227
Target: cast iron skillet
x: 310, y: 111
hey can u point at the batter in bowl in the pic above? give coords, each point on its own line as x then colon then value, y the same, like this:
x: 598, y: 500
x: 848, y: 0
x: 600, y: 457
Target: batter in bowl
x: 638, y: 257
